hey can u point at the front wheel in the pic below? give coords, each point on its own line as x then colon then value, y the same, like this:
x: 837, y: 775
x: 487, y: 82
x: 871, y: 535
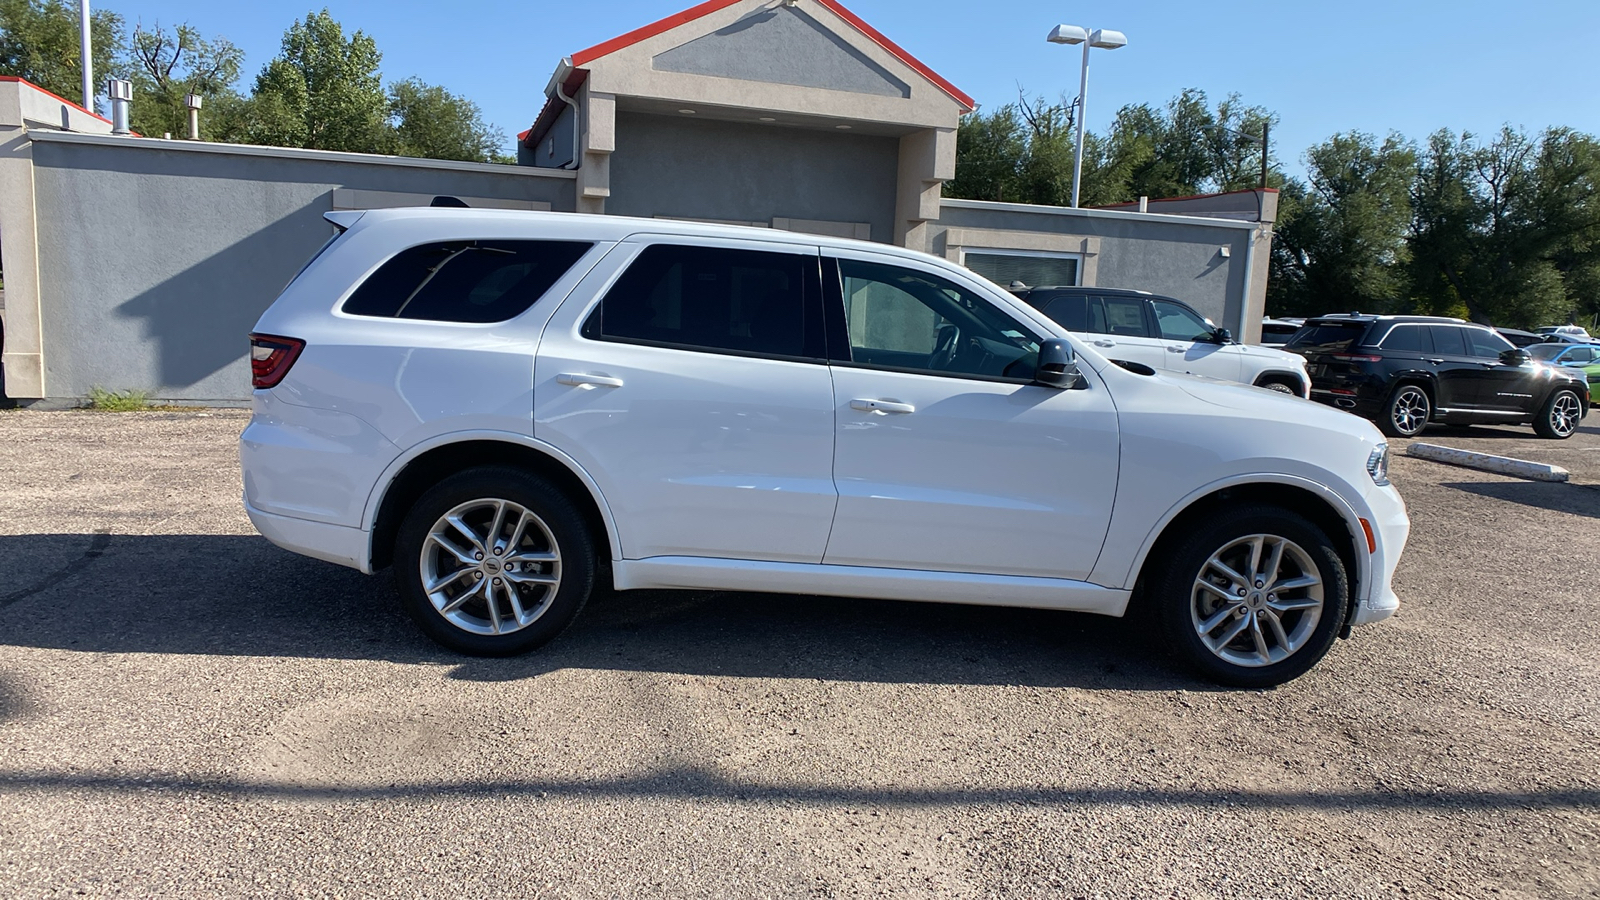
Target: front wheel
x: 1252, y: 598
x: 493, y: 562
x: 1407, y: 412
x: 1560, y: 415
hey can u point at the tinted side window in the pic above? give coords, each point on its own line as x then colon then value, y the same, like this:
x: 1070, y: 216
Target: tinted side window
x: 1328, y: 337
x: 1122, y: 315
x: 464, y: 281
x: 1486, y: 343
x: 1070, y: 312
x: 1448, y: 340
x: 743, y: 301
x: 1179, y: 323
x: 904, y: 319
x: 1413, y: 338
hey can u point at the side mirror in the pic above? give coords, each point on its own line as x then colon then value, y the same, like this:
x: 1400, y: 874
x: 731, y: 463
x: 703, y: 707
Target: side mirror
x: 1222, y: 336
x: 1516, y: 356
x: 1058, y: 365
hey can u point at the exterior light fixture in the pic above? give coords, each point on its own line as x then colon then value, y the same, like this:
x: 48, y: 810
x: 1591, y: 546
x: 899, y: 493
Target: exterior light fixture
x: 1105, y: 40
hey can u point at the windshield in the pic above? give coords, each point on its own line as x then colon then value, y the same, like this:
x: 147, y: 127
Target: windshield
x: 1327, y: 337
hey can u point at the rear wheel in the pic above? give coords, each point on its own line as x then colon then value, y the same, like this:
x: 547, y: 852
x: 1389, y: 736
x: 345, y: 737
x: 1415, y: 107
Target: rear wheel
x: 1560, y: 415
x: 1407, y: 412
x: 1280, y: 386
x: 1253, y: 598
x: 493, y: 562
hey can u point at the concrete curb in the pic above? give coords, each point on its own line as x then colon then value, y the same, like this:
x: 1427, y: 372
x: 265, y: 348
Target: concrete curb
x: 1502, y: 465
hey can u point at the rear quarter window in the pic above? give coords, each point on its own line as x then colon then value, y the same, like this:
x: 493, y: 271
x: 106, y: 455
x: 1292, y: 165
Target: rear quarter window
x: 473, y: 282
x: 1327, y: 337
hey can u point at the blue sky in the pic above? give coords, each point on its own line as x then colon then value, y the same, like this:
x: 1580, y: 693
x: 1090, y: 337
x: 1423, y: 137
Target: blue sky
x: 1324, y: 67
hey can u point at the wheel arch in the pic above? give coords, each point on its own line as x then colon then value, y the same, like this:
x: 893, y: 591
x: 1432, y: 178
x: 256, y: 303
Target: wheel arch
x: 1290, y: 376
x: 1320, y: 505
x: 425, y: 464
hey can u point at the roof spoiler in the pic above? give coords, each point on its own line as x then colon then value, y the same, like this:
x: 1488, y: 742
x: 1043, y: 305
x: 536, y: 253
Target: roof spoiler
x: 342, y: 219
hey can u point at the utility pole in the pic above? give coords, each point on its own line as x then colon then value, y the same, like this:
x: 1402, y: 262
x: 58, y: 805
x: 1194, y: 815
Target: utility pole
x: 88, y: 58
x: 1266, y: 131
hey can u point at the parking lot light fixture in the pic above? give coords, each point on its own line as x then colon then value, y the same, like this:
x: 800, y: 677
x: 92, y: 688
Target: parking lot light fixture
x: 1105, y: 39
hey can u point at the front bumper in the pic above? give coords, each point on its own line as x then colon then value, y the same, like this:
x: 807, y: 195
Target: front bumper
x: 1391, y: 527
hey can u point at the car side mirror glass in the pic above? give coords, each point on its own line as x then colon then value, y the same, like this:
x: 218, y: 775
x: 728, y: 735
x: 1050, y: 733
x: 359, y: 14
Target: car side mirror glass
x: 1058, y: 365
x: 1222, y: 336
x: 1516, y: 356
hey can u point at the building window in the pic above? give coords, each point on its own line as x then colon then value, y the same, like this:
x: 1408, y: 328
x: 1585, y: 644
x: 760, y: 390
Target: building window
x: 1030, y: 268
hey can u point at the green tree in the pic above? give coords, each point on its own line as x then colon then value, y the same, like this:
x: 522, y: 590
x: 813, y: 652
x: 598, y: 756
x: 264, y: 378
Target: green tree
x: 39, y: 41
x: 323, y: 92
x: 990, y: 148
x: 1507, y: 230
x: 434, y: 123
x: 1340, y: 243
x: 165, y: 66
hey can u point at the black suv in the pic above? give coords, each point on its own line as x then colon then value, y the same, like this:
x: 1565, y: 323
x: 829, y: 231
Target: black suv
x: 1406, y: 371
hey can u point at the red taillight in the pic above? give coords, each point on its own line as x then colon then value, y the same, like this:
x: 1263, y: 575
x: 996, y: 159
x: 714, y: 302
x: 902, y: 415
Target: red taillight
x: 270, y: 358
x: 1355, y: 357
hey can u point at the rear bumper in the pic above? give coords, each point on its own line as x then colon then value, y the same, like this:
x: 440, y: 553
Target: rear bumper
x: 318, y: 540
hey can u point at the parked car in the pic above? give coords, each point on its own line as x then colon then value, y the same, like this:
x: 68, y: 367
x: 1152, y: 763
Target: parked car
x: 1520, y: 338
x: 1166, y: 334
x: 1579, y: 357
x: 1568, y: 331
x: 1276, y: 332
x: 1404, y: 372
x: 504, y: 405
x: 1551, y: 337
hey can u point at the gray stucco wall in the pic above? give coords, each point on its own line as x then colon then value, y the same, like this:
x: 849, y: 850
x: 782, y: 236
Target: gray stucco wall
x: 555, y: 150
x: 1174, y: 259
x: 706, y: 169
x: 154, y: 263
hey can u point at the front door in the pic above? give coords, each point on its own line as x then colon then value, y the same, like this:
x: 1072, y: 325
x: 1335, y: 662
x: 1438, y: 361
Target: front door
x: 697, y: 396
x: 947, y: 457
x: 1189, y: 345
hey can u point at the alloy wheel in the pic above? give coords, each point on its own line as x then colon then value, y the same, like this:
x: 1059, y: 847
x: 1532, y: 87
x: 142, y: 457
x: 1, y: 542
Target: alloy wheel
x: 1564, y: 414
x: 1257, y: 600
x: 1410, y: 410
x: 490, y: 567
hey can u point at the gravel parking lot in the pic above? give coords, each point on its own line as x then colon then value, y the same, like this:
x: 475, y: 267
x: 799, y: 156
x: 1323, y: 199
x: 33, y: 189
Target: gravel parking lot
x: 187, y: 711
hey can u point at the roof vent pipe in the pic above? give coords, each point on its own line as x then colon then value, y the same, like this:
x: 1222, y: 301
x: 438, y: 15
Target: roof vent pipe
x: 193, y: 103
x: 121, y: 98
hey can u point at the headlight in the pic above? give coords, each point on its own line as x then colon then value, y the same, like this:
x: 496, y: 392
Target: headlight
x: 1378, y: 465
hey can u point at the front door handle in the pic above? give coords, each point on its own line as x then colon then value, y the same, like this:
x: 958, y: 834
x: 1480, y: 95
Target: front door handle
x: 1436, y: 360
x: 883, y: 406
x: 1105, y: 343
x: 1172, y: 349
x: 579, y: 378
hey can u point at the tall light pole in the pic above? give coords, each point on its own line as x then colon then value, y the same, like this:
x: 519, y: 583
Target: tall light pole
x: 88, y: 60
x: 1105, y: 40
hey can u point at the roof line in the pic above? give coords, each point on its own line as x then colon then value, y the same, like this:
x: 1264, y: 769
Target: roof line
x: 1270, y: 190
x: 20, y: 80
x: 591, y: 54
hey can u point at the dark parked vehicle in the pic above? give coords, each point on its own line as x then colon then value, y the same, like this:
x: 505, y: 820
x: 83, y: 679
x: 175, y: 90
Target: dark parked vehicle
x: 1406, y: 371
x: 1520, y: 338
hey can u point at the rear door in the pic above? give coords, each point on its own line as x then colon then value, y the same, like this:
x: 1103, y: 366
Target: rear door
x: 696, y: 392
x: 1122, y: 329
x: 1456, y: 369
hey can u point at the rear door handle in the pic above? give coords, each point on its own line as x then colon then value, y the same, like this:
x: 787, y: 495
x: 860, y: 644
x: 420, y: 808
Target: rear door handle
x: 1105, y: 343
x: 1436, y: 360
x: 883, y: 406
x: 579, y: 378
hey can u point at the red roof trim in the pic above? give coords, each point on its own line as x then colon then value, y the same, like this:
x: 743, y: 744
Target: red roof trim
x: 552, y: 107
x: 650, y: 31
x: 17, y: 79
x: 705, y: 9
x: 899, y: 53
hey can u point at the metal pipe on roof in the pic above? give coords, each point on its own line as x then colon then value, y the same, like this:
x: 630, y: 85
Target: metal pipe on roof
x: 88, y: 58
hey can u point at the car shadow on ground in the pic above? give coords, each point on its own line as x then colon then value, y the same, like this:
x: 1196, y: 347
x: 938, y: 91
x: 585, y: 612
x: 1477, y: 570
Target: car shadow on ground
x: 1437, y: 433
x: 239, y: 595
x: 1577, y: 499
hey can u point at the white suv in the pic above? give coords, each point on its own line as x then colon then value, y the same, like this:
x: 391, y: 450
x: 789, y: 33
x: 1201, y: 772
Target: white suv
x: 1163, y: 333
x: 499, y: 403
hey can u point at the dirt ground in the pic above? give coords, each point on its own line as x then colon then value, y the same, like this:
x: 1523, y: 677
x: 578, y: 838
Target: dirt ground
x: 187, y: 711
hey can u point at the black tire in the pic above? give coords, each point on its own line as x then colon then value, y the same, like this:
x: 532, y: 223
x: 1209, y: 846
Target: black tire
x: 555, y: 528
x: 1182, y: 607
x: 1407, y: 412
x: 1281, y: 386
x: 1558, y: 418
